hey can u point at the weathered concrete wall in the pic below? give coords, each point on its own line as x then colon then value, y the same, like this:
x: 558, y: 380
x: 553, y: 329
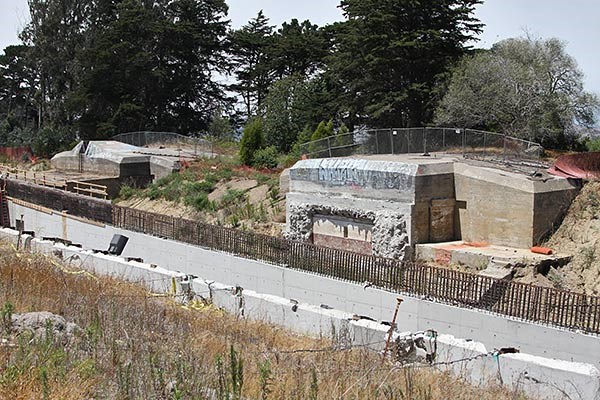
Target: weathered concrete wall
x: 505, y: 208
x: 100, y: 210
x: 391, y: 226
x: 429, y: 223
x: 549, y: 210
x: 441, y: 199
x: 342, y: 233
x: 536, y: 376
x: 340, y: 176
x: 415, y: 314
x: 374, y: 190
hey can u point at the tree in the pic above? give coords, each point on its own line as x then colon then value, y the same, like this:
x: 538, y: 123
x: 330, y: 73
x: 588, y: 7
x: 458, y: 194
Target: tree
x: 151, y: 68
x: 297, y: 49
x: 324, y: 129
x: 108, y: 66
x: 220, y: 126
x: 390, y: 55
x: 18, y: 87
x: 252, y: 141
x: 250, y: 57
x: 55, y: 35
x: 525, y: 87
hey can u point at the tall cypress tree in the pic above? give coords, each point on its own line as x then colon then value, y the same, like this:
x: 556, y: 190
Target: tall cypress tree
x: 251, y: 59
x: 390, y: 54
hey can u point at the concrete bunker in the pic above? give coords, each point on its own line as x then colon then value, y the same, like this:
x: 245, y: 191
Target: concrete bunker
x: 114, y: 159
x: 386, y: 204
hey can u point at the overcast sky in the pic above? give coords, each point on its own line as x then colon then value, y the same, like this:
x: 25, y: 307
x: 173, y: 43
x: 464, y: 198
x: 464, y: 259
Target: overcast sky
x: 574, y: 21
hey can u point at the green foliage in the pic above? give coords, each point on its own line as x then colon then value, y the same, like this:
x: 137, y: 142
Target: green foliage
x: 298, y: 48
x: 324, y: 129
x: 264, y: 376
x: 342, y: 137
x: 593, y: 144
x: 199, y: 201
x: 183, y: 187
x: 220, y: 127
x: 266, y: 158
x: 544, y: 101
x: 48, y: 141
x: 6, y: 317
x: 230, y: 380
x: 104, y: 68
x: 237, y: 373
x: 250, y: 58
x: 283, y: 112
x: 252, y: 141
x: 390, y: 55
x: 233, y: 197
x: 313, y: 393
x: 127, y: 192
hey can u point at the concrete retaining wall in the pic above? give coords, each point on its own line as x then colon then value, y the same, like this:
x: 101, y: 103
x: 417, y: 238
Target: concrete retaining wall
x: 536, y: 376
x: 415, y: 314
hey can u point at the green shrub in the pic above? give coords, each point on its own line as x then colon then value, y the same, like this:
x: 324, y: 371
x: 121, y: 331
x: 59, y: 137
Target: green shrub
x: 206, y: 186
x: 199, y: 201
x: 324, y: 129
x: 266, y: 158
x: 48, y: 141
x: 232, y: 196
x: 127, y: 192
x: 593, y: 144
x: 252, y: 141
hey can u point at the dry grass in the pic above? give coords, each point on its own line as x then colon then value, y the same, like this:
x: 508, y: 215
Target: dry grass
x: 132, y: 346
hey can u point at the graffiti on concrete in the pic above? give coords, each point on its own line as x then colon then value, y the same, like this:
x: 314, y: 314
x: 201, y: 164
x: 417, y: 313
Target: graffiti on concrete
x: 362, y: 178
x: 356, y: 173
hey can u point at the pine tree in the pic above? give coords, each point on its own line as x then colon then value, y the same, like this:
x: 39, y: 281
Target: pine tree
x: 390, y: 55
x: 250, y: 57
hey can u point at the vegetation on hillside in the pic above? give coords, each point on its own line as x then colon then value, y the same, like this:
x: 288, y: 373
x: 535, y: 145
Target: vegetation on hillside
x: 133, y: 345
x: 219, y: 191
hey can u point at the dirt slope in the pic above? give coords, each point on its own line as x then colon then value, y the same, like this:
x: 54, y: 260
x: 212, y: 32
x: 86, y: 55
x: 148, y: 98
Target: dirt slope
x: 579, y: 235
x: 238, y: 202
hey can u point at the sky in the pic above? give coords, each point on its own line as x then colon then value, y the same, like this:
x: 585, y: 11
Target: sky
x: 574, y: 21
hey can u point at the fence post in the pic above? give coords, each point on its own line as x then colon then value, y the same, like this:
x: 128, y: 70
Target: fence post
x: 444, y: 139
x: 392, y: 139
x: 424, y: 140
x: 504, y: 147
x: 464, y: 141
x: 376, y: 142
x: 484, y: 144
x: 329, y: 146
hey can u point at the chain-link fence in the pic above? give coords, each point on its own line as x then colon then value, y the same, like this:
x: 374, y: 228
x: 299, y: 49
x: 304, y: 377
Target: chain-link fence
x: 471, y: 142
x: 170, y: 139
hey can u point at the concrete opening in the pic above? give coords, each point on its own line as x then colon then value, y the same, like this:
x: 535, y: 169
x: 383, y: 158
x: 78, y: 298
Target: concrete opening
x: 342, y: 233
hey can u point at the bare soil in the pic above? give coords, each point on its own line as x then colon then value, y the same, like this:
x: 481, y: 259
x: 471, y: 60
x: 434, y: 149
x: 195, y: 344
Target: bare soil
x: 579, y: 235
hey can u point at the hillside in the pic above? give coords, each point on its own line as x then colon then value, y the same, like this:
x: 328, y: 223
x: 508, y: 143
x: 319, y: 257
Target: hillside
x: 114, y: 340
x: 217, y: 191
x: 579, y: 235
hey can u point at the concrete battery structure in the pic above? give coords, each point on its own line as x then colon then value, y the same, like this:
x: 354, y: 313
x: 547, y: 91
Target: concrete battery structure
x: 385, y: 204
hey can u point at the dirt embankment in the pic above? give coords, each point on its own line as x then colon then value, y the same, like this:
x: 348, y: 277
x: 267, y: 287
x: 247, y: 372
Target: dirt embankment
x: 238, y: 202
x: 579, y: 236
